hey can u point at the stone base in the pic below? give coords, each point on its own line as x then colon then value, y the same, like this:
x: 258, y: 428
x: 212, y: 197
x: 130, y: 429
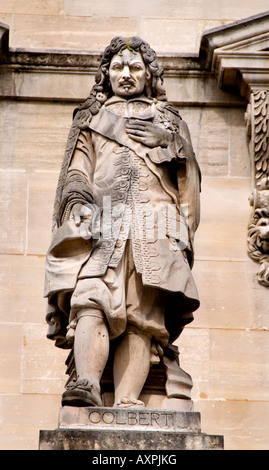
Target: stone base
x: 128, y: 429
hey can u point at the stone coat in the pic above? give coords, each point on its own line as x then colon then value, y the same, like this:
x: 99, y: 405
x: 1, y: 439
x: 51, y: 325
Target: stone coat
x: 139, y: 193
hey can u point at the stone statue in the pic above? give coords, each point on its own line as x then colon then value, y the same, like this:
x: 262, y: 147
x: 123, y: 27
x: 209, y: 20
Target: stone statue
x: 118, y: 271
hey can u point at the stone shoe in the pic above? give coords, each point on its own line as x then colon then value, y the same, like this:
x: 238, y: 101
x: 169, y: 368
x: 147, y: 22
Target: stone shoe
x: 127, y: 402
x: 81, y: 393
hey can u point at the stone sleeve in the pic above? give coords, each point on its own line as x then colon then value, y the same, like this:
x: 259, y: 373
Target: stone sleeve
x: 77, y: 188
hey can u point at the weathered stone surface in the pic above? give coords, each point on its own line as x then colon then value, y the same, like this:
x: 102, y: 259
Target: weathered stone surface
x: 119, y: 418
x: 32, y: 137
x: 60, y: 32
x: 127, y: 440
x: 220, y: 369
x: 163, y: 39
x: 115, y: 429
x: 212, y: 148
x: 13, y: 214
x: 10, y: 361
x: 225, y: 216
x: 234, y: 310
x: 40, y: 374
x: 51, y: 7
x: 168, y: 9
x: 26, y: 412
x: 26, y: 273
x: 244, y: 423
x: 239, y: 161
x: 42, y: 187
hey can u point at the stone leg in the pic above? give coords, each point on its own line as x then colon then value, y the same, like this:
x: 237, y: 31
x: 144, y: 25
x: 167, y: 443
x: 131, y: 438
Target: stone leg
x: 131, y: 367
x: 91, y: 349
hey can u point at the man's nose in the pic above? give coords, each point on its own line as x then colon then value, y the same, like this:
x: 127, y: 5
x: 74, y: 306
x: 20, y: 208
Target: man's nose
x: 125, y: 71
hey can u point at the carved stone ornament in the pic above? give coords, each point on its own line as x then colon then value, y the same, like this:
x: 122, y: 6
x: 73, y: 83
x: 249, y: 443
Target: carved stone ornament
x: 257, y: 118
x: 238, y: 54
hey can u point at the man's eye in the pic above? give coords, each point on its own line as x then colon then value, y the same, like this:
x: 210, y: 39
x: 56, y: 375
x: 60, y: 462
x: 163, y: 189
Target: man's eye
x: 116, y: 67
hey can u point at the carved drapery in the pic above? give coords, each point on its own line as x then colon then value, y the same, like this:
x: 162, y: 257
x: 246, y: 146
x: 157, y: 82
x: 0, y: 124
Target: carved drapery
x: 257, y: 118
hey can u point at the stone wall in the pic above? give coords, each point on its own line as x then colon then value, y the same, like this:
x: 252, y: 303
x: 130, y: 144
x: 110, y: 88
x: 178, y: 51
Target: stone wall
x: 171, y: 26
x: 226, y: 348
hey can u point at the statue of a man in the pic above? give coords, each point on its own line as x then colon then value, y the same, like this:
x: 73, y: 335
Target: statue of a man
x: 126, y: 210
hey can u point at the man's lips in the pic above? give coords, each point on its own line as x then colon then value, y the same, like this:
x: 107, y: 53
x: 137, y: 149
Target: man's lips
x: 126, y: 83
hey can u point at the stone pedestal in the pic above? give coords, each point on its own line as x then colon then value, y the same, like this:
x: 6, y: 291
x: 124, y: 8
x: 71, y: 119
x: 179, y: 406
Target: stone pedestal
x: 128, y: 429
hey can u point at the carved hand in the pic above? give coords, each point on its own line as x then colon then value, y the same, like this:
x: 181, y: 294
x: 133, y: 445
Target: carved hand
x: 147, y: 133
x: 81, y: 213
x: 82, y: 216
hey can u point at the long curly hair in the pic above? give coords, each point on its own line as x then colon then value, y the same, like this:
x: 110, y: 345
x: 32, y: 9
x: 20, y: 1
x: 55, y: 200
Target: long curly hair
x: 102, y: 90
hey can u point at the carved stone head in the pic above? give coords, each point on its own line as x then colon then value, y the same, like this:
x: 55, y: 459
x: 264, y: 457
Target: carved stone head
x: 128, y: 74
x: 150, y: 83
x: 135, y: 47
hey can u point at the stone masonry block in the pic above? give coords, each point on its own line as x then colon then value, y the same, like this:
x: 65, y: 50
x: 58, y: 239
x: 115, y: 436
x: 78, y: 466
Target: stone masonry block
x: 165, y: 35
x: 35, y: 7
x: 10, y: 358
x: 22, y: 417
x: 43, y: 365
x: 225, y: 214
x: 244, y: 424
x: 213, y: 144
x: 166, y: 9
x: 226, y: 364
x: 86, y: 33
x: 33, y: 135
x: 42, y: 188
x: 239, y: 367
x: 21, y: 288
x: 240, y: 161
x: 13, y: 205
x: 220, y: 285
x: 194, y: 358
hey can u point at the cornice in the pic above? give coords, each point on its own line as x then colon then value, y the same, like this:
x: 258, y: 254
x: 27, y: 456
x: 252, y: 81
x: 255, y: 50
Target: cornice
x: 88, y: 62
x: 238, y: 31
x: 238, y: 54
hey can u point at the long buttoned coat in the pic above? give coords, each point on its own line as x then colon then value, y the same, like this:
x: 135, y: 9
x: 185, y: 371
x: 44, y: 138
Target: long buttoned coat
x: 149, y: 196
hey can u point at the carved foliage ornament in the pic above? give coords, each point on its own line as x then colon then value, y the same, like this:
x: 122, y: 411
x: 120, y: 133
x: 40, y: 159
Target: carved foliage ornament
x: 258, y: 229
